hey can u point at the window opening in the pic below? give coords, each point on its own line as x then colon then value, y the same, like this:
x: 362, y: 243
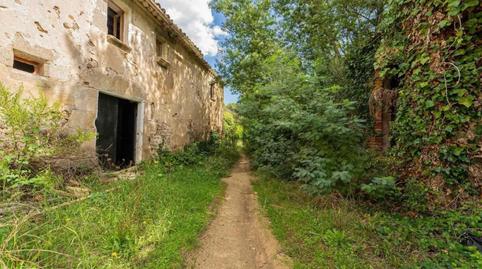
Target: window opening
x: 212, y: 91
x: 115, y: 20
x: 161, y: 49
x: 26, y: 66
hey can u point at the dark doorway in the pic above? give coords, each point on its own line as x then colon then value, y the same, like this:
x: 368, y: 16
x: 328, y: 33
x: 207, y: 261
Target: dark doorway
x: 116, y: 131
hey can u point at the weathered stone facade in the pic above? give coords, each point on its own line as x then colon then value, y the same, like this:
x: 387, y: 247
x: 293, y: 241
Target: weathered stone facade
x: 179, y: 97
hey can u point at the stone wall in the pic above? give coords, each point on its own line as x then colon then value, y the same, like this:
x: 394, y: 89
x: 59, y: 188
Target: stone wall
x: 79, y: 60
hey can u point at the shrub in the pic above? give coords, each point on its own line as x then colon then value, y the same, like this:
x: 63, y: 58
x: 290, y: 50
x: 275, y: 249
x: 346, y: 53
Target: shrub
x: 232, y: 130
x: 382, y: 188
x: 298, y: 130
x: 33, y: 134
x: 415, y: 195
x: 196, y: 152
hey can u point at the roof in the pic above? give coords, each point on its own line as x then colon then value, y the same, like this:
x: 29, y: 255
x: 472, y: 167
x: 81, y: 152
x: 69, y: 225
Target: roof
x: 165, y: 20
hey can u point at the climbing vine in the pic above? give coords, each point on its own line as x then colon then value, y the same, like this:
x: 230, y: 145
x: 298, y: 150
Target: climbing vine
x: 434, y: 49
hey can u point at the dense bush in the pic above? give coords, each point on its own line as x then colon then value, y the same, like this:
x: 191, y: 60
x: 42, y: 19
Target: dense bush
x: 301, y: 112
x: 381, y: 188
x: 196, y: 152
x: 303, y: 78
x: 32, y: 132
x: 232, y: 129
x: 296, y: 129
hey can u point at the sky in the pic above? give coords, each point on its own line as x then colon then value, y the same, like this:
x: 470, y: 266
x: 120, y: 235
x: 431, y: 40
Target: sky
x: 202, y: 25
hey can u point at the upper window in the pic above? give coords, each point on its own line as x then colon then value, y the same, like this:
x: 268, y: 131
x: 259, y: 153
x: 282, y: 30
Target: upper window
x: 115, y: 20
x: 27, y: 66
x: 212, y: 91
x: 161, y: 48
x: 162, y: 52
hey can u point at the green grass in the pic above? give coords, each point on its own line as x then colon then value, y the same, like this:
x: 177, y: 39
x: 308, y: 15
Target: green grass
x: 332, y: 232
x: 146, y: 223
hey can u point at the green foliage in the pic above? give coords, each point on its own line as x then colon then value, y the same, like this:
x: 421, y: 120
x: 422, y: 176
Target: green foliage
x: 32, y: 132
x: 300, y: 66
x: 149, y: 222
x: 253, y: 41
x: 433, y: 47
x: 191, y: 154
x: 334, y: 232
x: 195, y: 153
x: 382, y: 189
x: 304, y: 71
x: 233, y: 131
x: 415, y: 196
x: 336, y: 41
x: 335, y: 238
x: 295, y: 128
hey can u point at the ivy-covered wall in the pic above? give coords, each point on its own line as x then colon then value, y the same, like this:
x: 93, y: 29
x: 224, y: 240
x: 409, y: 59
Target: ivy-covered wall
x: 433, y: 47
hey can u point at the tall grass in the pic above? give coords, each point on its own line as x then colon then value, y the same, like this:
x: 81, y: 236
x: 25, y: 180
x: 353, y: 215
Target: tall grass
x: 334, y: 232
x: 146, y: 223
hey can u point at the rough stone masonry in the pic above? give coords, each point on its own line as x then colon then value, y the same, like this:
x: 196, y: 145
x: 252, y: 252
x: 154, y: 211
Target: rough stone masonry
x: 75, y: 51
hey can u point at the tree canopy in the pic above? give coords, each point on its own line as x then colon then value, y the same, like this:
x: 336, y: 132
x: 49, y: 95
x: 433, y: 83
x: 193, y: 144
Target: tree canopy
x: 305, y: 72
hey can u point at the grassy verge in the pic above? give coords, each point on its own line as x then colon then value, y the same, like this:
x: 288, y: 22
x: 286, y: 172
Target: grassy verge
x: 146, y: 223
x: 331, y: 232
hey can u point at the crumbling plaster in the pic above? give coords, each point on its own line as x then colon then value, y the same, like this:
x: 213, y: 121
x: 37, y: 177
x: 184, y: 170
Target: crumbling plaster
x: 70, y: 38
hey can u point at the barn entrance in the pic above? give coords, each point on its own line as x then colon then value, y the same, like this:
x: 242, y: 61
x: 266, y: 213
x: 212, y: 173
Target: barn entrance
x: 116, y: 131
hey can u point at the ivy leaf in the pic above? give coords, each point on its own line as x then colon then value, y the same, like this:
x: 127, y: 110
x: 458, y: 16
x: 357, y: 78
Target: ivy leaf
x: 446, y: 108
x: 423, y: 84
x: 429, y: 104
x: 470, y: 3
x: 460, y: 92
x: 466, y: 101
x: 454, y: 3
x: 443, y: 23
x: 453, y: 7
x: 458, y: 151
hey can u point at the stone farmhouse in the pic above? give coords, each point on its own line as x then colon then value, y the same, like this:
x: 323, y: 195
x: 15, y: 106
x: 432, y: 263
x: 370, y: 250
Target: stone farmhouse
x: 120, y: 68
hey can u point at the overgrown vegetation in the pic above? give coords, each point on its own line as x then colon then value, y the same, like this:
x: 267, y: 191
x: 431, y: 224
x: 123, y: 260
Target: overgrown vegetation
x: 298, y: 109
x: 146, y: 222
x: 34, y: 142
x: 304, y: 75
x: 304, y: 70
x: 335, y: 232
x: 149, y: 222
x: 299, y: 132
x: 434, y: 49
x: 233, y: 131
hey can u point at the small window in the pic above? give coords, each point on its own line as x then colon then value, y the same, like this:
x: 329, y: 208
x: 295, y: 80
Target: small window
x: 26, y: 66
x: 212, y: 91
x: 162, y: 52
x: 153, y: 110
x: 161, y: 49
x: 115, y: 20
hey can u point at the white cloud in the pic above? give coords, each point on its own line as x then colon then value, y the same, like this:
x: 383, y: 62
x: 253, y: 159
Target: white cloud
x: 195, y: 19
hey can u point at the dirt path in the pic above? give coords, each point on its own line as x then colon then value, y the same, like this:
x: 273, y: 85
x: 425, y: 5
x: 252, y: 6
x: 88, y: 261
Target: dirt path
x: 239, y: 236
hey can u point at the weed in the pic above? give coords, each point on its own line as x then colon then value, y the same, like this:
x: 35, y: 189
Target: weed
x: 34, y: 137
x: 322, y: 232
x: 146, y: 223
